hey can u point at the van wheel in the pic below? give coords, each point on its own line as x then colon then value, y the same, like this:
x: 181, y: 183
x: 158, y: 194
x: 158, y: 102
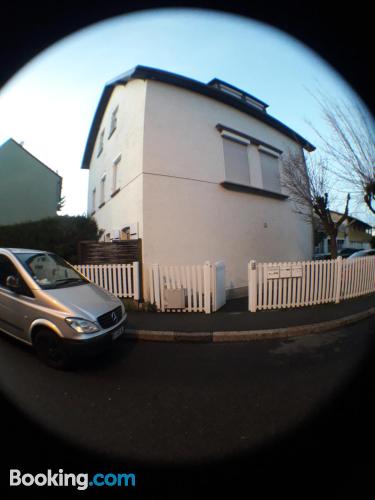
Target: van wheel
x: 49, y: 349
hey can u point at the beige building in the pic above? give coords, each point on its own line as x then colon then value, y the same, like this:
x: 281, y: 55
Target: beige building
x: 353, y: 233
x: 194, y: 170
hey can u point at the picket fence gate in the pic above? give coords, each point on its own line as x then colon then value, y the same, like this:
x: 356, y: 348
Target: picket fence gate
x: 123, y: 280
x: 187, y: 288
x: 278, y: 285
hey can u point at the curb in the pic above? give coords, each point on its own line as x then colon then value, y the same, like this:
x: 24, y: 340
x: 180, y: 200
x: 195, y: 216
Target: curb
x: 246, y: 335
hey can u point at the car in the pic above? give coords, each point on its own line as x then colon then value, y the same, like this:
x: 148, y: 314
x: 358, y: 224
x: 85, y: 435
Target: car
x: 47, y: 304
x: 362, y: 253
x: 346, y: 252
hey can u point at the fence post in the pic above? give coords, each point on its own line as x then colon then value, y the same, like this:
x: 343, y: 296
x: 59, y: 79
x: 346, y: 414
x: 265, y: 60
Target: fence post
x: 338, y: 279
x: 156, y: 284
x: 207, y: 286
x: 136, y: 280
x: 252, y: 276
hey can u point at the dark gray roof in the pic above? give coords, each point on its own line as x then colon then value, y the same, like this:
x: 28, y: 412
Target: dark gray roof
x: 147, y: 73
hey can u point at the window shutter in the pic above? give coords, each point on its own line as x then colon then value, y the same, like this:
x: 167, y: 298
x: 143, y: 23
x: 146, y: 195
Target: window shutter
x: 270, y: 172
x: 236, y: 162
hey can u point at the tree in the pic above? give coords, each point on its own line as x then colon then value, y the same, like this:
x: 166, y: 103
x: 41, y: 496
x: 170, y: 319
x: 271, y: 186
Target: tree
x: 350, y: 145
x: 308, y: 184
x: 60, y: 204
x: 60, y: 234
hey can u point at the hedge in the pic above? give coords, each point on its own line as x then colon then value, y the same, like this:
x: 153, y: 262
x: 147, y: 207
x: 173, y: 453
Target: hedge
x: 60, y: 234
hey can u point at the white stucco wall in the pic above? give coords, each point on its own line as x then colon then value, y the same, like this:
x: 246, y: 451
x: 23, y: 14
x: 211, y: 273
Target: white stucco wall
x: 127, y: 140
x: 172, y: 164
x: 188, y: 216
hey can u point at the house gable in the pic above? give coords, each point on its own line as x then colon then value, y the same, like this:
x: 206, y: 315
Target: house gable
x: 211, y: 90
x: 29, y: 190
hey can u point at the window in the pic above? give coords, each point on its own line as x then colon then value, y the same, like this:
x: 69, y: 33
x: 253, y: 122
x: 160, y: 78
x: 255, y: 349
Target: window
x: 236, y: 162
x: 93, y: 200
x: 270, y: 171
x: 320, y: 247
x: 102, y: 191
x: 340, y: 244
x: 50, y: 271
x: 101, y: 142
x: 251, y: 165
x: 125, y: 233
x: 7, y: 268
x: 115, y: 167
x: 113, y: 125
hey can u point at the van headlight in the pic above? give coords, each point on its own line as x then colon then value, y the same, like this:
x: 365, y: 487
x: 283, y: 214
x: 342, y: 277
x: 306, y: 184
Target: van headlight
x: 82, y: 325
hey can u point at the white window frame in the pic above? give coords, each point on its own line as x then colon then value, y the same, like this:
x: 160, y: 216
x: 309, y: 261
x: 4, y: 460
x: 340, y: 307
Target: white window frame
x: 238, y: 138
x: 115, y: 168
x: 269, y: 151
x: 102, y: 190
x: 113, y: 124
x: 101, y: 142
x: 93, y: 201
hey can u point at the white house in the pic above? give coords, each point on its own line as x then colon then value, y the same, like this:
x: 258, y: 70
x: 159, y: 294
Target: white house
x: 352, y: 234
x: 194, y: 170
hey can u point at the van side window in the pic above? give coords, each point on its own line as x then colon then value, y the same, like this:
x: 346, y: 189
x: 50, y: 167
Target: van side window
x: 7, y: 268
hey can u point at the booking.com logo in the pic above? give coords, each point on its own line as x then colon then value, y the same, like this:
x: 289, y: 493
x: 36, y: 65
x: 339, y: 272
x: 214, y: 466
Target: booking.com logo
x: 80, y: 481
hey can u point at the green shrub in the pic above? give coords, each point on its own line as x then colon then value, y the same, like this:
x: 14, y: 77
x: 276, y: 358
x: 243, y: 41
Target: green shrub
x: 60, y: 234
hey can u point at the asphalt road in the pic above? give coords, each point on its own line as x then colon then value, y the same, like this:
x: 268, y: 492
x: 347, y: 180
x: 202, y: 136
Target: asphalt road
x: 186, y: 403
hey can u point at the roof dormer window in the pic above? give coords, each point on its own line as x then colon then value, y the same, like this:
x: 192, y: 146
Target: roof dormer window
x: 238, y: 93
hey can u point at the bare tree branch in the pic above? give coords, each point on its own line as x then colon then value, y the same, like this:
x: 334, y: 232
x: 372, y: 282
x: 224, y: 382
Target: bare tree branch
x: 308, y: 184
x: 350, y: 147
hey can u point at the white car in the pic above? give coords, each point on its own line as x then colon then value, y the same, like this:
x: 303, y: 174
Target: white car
x: 46, y: 303
x: 362, y: 253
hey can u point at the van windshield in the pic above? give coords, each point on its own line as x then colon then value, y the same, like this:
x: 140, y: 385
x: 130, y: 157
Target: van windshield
x: 49, y: 270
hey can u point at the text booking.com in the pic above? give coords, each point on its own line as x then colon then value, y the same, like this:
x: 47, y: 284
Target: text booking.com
x: 80, y: 481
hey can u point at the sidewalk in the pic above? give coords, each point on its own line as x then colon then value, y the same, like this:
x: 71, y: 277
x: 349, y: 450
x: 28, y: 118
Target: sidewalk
x: 234, y: 317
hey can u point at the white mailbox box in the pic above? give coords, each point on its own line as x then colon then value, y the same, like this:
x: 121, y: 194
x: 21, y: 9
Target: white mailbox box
x: 285, y: 271
x: 297, y: 271
x: 273, y: 272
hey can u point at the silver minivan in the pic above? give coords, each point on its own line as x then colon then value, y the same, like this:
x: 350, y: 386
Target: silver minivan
x: 46, y: 303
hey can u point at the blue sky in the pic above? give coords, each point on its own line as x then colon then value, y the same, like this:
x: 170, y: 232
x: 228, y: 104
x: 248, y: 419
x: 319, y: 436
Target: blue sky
x: 50, y: 103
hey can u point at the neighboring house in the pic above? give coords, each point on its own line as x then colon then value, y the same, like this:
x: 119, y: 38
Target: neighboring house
x: 194, y: 170
x: 29, y: 190
x: 353, y: 233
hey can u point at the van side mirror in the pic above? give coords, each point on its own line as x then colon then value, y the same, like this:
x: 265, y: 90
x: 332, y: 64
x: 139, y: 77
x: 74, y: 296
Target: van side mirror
x: 13, y: 283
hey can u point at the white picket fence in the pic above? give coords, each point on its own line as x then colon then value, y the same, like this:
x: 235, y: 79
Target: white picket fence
x: 277, y: 285
x: 358, y: 277
x: 187, y: 288
x: 120, y: 279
